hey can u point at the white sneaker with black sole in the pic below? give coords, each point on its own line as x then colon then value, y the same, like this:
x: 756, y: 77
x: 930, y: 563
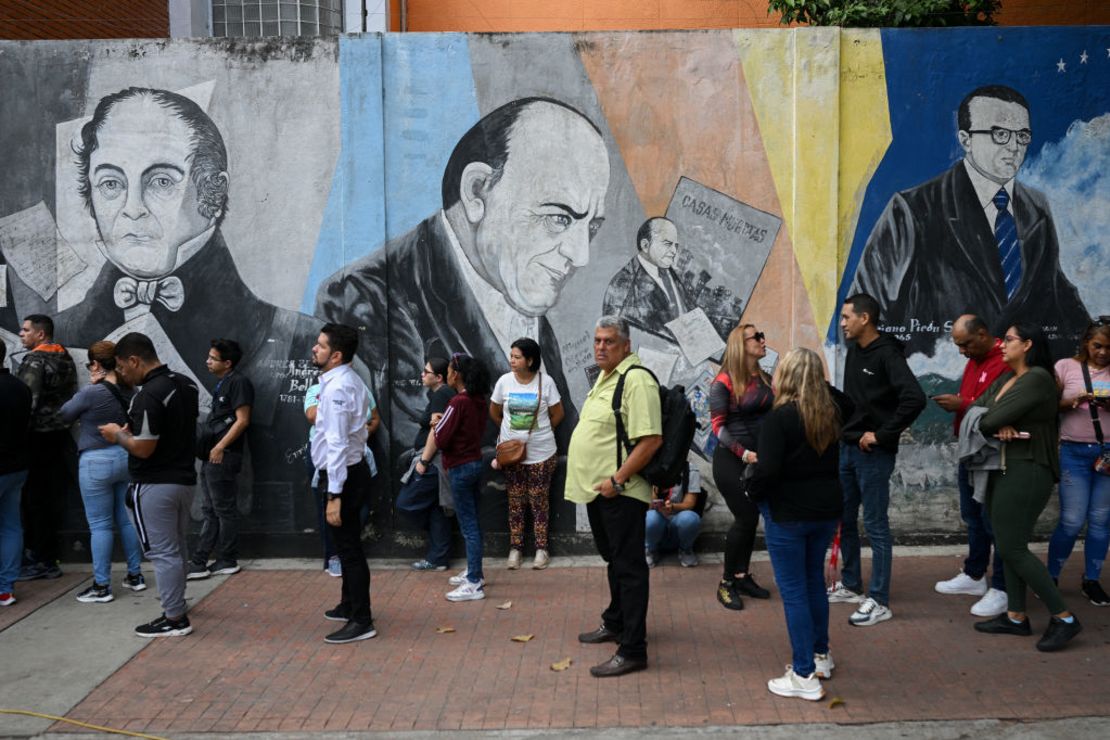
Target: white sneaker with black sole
x: 793, y: 685
x: 962, y: 583
x: 468, y: 592
x: 825, y: 665
x: 870, y: 612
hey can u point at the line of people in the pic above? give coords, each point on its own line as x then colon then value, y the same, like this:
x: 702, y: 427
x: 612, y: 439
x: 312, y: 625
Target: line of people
x: 792, y: 448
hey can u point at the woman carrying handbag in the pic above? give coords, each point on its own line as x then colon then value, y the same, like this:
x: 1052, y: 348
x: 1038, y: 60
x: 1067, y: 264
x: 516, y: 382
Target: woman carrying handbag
x: 527, y: 411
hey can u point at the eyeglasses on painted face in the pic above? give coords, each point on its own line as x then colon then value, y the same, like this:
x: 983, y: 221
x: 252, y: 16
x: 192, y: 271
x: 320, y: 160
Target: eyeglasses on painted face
x: 758, y: 336
x: 1001, y: 136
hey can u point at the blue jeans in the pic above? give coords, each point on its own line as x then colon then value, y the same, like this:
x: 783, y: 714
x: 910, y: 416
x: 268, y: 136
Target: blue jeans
x: 797, y: 551
x: 1084, y: 497
x: 419, y: 501
x: 979, y: 535
x: 865, y: 479
x: 465, y: 488
x: 11, y: 529
x: 678, y: 532
x: 103, y: 477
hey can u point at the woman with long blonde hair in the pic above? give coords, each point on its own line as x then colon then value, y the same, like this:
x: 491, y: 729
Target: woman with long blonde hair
x: 739, y: 397
x: 797, y: 487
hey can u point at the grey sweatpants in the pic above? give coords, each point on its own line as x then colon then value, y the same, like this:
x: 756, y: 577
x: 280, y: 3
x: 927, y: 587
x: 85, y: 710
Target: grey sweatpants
x: 161, y: 514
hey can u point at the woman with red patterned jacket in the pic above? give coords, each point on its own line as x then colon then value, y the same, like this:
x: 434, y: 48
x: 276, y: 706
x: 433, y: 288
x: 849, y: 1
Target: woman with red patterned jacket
x: 739, y: 398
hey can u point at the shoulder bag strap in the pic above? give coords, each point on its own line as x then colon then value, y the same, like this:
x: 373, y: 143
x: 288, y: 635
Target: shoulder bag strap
x: 119, y: 397
x: 1090, y: 406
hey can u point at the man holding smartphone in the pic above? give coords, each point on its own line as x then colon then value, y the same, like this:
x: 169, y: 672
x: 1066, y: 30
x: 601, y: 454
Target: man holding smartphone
x: 984, y: 365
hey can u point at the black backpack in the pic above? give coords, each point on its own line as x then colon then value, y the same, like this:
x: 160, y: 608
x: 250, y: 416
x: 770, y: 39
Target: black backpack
x: 679, y: 424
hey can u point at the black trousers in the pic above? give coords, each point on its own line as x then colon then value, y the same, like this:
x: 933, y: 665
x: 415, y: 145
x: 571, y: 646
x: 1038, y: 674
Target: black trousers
x: 53, y: 457
x: 740, y: 539
x: 618, y: 529
x: 355, y: 599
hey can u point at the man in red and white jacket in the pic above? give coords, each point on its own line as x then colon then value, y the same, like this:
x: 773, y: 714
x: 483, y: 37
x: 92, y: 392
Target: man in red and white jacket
x: 984, y: 365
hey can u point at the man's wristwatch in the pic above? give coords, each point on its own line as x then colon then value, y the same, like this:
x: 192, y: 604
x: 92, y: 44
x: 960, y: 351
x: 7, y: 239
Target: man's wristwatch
x: 333, y: 496
x: 616, y: 486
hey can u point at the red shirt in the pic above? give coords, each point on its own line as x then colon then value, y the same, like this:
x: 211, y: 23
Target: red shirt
x: 459, y: 432
x: 978, y: 376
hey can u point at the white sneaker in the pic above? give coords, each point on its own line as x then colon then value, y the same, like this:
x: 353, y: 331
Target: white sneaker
x: 963, y: 584
x: 468, y: 592
x: 993, y: 603
x: 459, y: 579
x: 514, y: 559
x: 541, y: 561
x: 825, y: 665
x: 838, y: 594
x: 791, y: 684
x: 870, y: 612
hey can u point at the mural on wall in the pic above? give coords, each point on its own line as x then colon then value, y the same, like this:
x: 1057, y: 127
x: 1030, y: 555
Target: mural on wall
x: 972, y: 238
x: 450, y: 193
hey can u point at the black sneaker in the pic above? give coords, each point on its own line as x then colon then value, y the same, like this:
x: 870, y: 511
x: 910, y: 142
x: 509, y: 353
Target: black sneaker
x: 196, y: 571
x: 1058, y: 634
x: 352, y: 632
x: 729, y: 596
x: 747, y: 585
x: 1003, y: 625
x: 135, y: 581
x: 224, y: 568
x: 163, y: 626
x: 1094, y: 593
x: 34, y: 571
x: 96, y: 594
x: 338, y: 614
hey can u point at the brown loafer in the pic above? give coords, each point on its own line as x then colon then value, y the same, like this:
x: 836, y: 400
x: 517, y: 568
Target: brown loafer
x: 598, y: 636
x: 618, y: 665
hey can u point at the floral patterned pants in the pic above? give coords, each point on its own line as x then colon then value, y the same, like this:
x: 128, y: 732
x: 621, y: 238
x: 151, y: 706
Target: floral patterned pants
x: 531, y: 483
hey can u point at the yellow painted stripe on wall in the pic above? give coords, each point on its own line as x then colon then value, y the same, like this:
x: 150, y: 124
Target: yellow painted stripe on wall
x: 864, y: 126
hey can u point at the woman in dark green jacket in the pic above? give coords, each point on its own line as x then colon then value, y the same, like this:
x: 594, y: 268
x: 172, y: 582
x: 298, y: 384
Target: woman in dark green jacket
x: 1022, y: 413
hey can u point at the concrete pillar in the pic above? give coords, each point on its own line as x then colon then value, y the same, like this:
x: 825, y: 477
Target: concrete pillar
x: 190, y: 18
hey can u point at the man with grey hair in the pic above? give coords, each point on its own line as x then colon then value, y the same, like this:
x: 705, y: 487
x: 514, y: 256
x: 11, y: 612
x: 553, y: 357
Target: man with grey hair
x: 616, y: 496
x: 648, y: 292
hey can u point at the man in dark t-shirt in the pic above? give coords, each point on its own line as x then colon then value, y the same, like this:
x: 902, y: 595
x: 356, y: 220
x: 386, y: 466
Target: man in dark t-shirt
x: 160, y: 439
x: 221, y: 449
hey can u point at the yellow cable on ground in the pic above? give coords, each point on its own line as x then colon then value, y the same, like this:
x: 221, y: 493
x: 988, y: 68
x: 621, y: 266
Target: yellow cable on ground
x: 86, y: 725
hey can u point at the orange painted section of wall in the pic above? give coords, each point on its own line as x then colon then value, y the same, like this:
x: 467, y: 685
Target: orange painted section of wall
x: 603, y: 15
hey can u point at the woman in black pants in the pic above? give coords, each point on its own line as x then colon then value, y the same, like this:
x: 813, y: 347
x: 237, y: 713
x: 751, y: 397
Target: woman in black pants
x: 739, y: 398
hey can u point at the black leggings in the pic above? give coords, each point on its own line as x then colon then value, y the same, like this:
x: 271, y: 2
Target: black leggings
x: 727, y: 473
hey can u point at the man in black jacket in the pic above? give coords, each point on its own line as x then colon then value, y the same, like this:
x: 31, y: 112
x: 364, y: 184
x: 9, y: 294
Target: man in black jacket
x: 887, y: 399
x: 15, y: 420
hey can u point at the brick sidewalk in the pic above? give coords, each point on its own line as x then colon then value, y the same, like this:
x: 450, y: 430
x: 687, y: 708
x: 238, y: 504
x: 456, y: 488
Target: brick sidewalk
x: 257, y: 660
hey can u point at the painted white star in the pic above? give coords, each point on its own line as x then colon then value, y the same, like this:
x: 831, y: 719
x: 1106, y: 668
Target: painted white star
x: 1083, y: 57
x: 1061, y: 66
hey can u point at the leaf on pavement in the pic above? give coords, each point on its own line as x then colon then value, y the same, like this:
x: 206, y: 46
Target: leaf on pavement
x: 506, y: 605
x: 521, y: 638
x: 835, y: 702
x: 561, y: 665
x: 444, y: 630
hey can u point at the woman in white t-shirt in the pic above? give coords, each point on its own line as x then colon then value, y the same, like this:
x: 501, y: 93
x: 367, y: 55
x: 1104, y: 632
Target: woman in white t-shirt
x: 527, y: 406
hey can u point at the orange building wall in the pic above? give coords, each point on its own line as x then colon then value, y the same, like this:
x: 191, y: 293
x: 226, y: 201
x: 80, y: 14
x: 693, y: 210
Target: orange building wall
x: 602, y: 15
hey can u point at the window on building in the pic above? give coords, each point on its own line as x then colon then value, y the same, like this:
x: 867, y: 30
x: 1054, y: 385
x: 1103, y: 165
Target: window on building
x: 277, y: 17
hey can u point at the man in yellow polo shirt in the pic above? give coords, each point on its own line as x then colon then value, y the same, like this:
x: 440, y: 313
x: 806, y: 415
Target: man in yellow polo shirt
x: 617, y: 499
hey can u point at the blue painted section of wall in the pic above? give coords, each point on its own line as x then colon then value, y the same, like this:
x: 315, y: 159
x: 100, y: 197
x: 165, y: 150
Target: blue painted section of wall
x: 929, y: 72
x: 430, y: 102
x: 354, y: 218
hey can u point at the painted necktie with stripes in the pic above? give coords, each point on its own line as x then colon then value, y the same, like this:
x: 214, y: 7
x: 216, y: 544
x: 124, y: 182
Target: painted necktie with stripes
x: 1009, y: 248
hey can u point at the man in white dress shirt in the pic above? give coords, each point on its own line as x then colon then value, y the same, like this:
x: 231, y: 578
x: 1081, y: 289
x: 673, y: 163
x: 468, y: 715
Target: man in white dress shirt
x: 338, y: 452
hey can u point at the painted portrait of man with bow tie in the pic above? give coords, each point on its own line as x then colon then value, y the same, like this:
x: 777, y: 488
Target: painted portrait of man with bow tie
x: 152, y: 171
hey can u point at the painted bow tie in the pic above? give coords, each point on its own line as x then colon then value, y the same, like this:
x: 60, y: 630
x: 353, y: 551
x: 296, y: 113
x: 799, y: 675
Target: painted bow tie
x: 168, y: 291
